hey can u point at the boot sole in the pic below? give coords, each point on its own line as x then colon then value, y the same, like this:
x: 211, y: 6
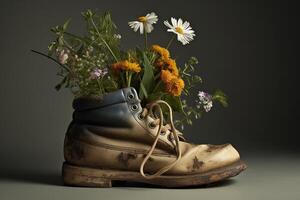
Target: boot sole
x: 92, y: 177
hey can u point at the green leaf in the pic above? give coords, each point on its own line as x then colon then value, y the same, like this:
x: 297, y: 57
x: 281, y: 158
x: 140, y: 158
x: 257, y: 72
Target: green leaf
x: 175, y: 103
x: 139, y: 53
x: 155, y: 96
x: 147, y: 81
x: 66, y: 24
x: 220, y: 97
x: 196, y: 79
x: 193, y: 61
x: 51, y: 48
x: 87, y: 14
x: 143, y: 91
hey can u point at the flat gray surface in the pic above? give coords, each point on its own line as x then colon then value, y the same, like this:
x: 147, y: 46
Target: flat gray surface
x: 268, y: 177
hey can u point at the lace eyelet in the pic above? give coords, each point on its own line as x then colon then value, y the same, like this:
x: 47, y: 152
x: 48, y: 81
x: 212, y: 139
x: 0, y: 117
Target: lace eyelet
x: 151, y: 125
x: 171, y: 137
x: 140, y: 116
x: 134, y: 107
x: 163, y: 133
x: 130, y: 96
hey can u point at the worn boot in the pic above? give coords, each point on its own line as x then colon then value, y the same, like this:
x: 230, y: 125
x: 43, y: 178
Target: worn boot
x: 114, y: 138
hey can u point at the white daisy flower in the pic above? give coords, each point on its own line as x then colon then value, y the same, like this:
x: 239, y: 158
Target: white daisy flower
x: 144, y: 23
x: 184, y: 31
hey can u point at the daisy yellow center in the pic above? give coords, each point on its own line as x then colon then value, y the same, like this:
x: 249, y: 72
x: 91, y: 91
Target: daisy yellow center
x: 179, y: 30
x: 142, y: 19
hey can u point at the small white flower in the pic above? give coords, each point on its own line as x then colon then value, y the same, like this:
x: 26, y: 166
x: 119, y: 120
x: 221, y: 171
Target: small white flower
x: 117, y: 36
x: 208, y: 106
x: 205, y: 100
x: 184, y: 31
x: 201, y: 95
x: 144, y: 23
x: 90, y: 48
x: 62, y: 56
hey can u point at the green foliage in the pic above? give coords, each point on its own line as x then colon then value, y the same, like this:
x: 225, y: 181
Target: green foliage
x: 97, y: 49
x: 188, y: 75
x: 85, y: 67
x: 220, y: 97
x: 174, y: 102
x: 147, y: 81
x: 102, y: 30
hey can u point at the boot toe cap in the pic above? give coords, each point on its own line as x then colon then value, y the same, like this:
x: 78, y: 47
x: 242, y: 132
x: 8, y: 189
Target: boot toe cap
x: 218, y: 156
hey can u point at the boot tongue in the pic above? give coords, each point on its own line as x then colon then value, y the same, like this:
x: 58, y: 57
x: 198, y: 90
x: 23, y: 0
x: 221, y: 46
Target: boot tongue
x: 119, y: 96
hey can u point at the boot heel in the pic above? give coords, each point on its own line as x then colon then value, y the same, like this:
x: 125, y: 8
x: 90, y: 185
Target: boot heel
x: 81, y: 176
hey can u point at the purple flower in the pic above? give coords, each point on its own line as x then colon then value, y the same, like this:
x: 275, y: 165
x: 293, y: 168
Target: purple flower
x: 98, y: 73
x: 205, y: 100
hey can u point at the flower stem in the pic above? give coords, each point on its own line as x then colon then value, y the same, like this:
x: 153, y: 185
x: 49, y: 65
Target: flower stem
x: 170, y: 42
x: 122, y: 79
x: 49, y: 57
x: 69, y: 47
x: 146, y: 40
x: 129, y: 79
x: 75, y: 36
x: 108, y: 47
x: 157, y: 76
x: 114, y: 83
x: 157, y: 86
x: 99, y: 85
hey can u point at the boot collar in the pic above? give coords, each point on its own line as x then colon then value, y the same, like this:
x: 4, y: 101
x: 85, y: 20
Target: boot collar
x: 119, y: 96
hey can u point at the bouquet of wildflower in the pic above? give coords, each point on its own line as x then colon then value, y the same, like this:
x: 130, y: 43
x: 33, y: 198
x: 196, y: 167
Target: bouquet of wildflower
x: 94, y: 64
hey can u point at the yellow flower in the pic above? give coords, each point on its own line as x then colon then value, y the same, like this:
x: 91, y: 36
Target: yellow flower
x: 159, y: 63
x: 127, y: 66
x: 169, y: 71
x: 169, y: 64
x: 164, y: 53
x: 173, y: 84
x: 165, y: 61
x: 166, y: 76
x: 172, y: 66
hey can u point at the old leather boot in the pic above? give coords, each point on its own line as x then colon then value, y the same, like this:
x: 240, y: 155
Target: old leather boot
x: 114, y: 138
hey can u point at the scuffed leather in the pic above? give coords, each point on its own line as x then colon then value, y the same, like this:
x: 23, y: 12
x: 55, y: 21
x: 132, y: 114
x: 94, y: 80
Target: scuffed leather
x: 108, y: 133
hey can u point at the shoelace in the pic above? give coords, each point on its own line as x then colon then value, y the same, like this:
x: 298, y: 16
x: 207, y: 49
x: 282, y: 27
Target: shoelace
x: 159, y: 120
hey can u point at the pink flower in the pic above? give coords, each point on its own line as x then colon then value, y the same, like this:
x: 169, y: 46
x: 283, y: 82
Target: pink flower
x: 98, y: 73
x: 63, y: 56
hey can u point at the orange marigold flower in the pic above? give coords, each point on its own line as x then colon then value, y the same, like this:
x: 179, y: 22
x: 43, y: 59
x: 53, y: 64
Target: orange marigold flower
x: 171, y: 64
x: 159, y: 63
x: 127, y: 66
x: 166, y: 76
x: 165, y: 61
x: 175, y: 86
x: 163, y: 52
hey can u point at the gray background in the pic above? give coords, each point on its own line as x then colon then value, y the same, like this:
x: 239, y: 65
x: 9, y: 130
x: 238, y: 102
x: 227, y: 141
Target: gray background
x: 246, y: 48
